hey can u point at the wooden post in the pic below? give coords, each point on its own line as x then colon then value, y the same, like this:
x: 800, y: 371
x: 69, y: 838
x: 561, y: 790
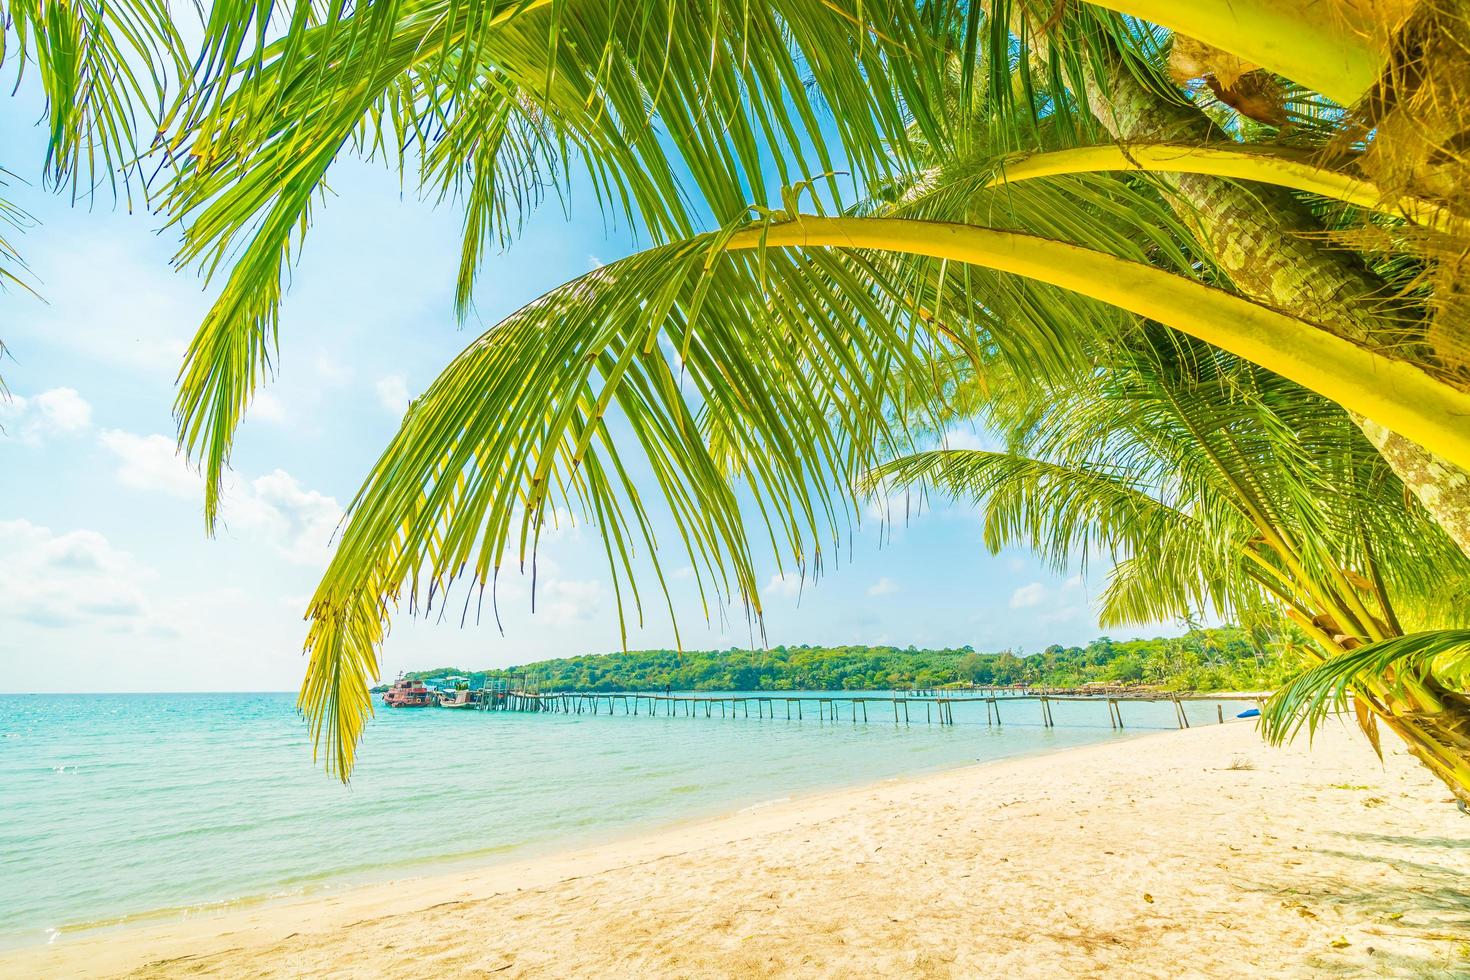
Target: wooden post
x: 1220, y: 712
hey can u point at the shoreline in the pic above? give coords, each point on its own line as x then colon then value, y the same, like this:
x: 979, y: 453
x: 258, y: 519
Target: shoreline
x: 1082, y: 807
x: 443, y: 867
x: 450, y: 868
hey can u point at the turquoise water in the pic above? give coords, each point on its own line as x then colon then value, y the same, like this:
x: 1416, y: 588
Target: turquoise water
x: 118, y: 807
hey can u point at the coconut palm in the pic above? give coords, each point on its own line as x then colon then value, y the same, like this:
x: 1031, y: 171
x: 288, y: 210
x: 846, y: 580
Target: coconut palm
x: 1212, y: 486
x: 487, y: 104
x: 775, y: 349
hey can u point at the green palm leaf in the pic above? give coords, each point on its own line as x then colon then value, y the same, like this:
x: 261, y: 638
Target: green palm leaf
x: 1406, y: 666
x: 105, y: 67
x: 12, y: 266
x: 487, y: 101
x: 784, y: 355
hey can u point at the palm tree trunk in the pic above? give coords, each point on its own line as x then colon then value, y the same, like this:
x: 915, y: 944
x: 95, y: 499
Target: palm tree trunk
x: 1274, y: 250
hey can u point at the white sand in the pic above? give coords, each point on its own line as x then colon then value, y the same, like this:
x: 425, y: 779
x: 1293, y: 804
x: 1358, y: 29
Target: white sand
x: 1151, y: 857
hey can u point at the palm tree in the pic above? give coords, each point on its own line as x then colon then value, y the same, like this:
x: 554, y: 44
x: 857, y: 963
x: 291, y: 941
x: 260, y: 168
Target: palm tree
x: 776, y: 350
x: 1216, y: 486
x: 665, y: 337
x: 488, y: 106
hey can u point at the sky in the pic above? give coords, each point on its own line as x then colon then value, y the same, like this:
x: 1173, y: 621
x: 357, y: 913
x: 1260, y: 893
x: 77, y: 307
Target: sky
x: 108, y: 581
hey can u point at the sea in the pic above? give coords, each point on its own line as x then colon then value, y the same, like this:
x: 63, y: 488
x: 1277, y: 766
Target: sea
x: 129, y: 808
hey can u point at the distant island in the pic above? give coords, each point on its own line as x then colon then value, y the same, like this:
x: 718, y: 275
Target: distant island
x: 1227, y: 658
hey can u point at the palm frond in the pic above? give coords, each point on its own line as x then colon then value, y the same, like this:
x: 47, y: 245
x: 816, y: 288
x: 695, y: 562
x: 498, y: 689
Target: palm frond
x: 13, y: 269
x: 1063, y: 513
x: 1402, y: 665
x: 105, y: 67
x: 1210, y: 483
x: 627, y: 370
x: 1283, y: 167
x: 490, y: 99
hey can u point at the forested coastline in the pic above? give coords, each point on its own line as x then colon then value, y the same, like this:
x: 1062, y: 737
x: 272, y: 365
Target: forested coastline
x: 1227, y: 658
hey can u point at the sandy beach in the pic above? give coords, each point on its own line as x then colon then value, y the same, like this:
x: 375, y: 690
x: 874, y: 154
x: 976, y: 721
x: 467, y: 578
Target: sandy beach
x: 1194, y: 853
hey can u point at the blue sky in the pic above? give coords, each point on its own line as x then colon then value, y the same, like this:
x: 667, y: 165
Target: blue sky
x: 108, y: 582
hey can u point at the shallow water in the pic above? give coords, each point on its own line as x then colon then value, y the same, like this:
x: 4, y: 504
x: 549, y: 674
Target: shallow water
x: 114, y: 807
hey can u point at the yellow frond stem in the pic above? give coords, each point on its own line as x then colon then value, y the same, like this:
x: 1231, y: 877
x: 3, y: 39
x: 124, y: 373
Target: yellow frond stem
x: 1283, y: 168
x: 1393, y: 393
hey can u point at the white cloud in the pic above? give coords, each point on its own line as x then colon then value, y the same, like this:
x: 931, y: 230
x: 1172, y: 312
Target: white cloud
x: 267, y: 407
x: 152, y: 463
x: 297, y: 523
x: 392, y: 393
x: 64, y: 580
x: 63, y: 410
x: 58, y: 411
x: 1065, y: 603
x: 894, y: 508
x: 1069, y: 603
x: 593, y: 262
x: 1028, y: 596
x: 330, y: 370
x: 567, y: 601
x: 884, y: 586
x: 783, y: 585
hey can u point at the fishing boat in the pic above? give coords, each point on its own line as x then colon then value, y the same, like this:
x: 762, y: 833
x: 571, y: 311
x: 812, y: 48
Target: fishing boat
x: 462, y: 698
x: 408, y: 694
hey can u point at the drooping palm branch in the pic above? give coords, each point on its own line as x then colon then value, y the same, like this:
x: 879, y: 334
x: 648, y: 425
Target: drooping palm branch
x: 794, y: 430
x: 495, y: 104
x: 491, y: 102
x: 1410, y: 666
x: 1215, y: 487
x: 104, y: 67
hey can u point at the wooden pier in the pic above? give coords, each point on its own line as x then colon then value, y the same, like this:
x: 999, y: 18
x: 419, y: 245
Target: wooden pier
x: 902, y: 708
